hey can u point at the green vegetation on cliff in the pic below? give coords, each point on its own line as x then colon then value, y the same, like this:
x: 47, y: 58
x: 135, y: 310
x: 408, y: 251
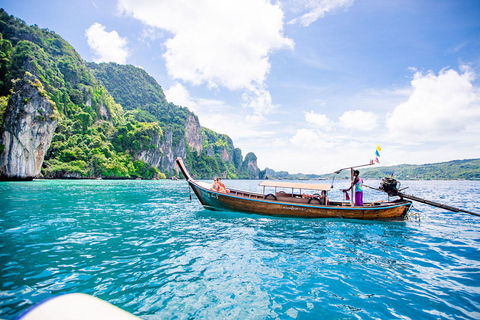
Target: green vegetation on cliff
x: 86, y: 142
x: 113, y: 119
x: 135, y: 90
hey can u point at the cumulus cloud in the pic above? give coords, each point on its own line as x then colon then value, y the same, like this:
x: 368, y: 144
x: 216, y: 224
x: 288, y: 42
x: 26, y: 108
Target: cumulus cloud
x: 328, y: 132
x: 315, y: 9
x: 217, y: 42
x: 305, y: 137
x: 107, y: 46
x: 260, y: 100
x: 358, y: 120
x: 438, y: 120
x: 180, y: 96
x: 308, y: 138
x: 319, y: 120
x: 222, y: 117
x: 439, y: 108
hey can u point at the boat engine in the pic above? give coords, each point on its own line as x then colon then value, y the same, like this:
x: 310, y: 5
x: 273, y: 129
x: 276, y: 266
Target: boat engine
x: 390, y: 186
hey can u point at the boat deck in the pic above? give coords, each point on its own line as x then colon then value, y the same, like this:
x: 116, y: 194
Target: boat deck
x: 288, y: 197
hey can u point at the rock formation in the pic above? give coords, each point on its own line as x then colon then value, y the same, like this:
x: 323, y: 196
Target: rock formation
x: 29, y: 123
x: 193, y: 138
x: 151, y: 155
x: 193, y: 133
x: 250, y: 163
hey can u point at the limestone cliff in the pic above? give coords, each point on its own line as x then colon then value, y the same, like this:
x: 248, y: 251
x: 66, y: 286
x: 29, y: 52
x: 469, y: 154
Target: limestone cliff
x: 250, y: 163
x: 193, y: 133
x: 29, y: 123
x: 169, y: 152
x: 153, y: 153
x: 193, y: 139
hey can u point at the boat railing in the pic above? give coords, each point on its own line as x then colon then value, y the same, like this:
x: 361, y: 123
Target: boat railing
x: 245, y: 194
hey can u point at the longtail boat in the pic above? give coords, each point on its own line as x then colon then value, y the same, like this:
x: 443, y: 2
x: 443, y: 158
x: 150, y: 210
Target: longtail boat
x: 293, y: 204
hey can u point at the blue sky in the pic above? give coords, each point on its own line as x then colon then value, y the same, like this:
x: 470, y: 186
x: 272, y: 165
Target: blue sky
x: 308, y: 85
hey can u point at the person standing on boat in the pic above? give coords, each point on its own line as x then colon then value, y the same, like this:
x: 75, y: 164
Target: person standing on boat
x: 358, y: 183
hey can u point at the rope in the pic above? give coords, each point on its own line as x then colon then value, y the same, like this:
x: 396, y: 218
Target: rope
x: 416, y: 214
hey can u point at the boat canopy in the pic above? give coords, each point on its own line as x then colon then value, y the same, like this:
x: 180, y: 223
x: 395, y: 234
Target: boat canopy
x: 292, y: 185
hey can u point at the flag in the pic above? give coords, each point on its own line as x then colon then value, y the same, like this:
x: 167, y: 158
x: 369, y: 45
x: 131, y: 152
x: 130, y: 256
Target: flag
x: 377, y: 153
x: 376, y: 160
x: 371, y: 161
x: 378, y: 148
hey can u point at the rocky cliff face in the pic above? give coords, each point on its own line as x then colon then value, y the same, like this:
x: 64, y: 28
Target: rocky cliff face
x: 29, y: 123
x: 250, y: 163
x: 153, y: 155
x: 193, y: 133
x: 193, y: 137
x: 167, y: 162
x: 225, y: 155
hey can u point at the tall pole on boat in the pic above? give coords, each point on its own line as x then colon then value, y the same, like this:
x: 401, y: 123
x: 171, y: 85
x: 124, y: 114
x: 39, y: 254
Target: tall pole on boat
x: 351, y: 191
x: 352, y: 177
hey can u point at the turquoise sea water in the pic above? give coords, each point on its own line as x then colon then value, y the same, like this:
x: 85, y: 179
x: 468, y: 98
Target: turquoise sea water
x: 145, y: 247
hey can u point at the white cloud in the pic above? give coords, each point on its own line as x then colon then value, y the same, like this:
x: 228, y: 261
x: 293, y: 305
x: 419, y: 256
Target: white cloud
x: 222, y: 117
x: 218, y: 42
x: 441, y: 108
x: 315, y: 9
x: 151, y: 34
x: 180, y: 96
x: 305, y: 137
x: 107, y: 46
x: 319, y: 120
x: 260, y: 100
x: 438, y: 120
x: 311, y: 139
x: 358, y: 120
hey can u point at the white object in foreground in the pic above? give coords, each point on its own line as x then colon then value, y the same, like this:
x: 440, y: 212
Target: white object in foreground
x: 76, y: 306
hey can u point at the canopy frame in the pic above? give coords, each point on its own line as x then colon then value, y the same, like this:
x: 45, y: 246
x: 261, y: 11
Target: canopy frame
x: 294, y: 185
x: 351, y: 177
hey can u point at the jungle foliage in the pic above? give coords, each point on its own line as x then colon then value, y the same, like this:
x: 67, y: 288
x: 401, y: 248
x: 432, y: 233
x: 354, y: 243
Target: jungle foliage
x: 137, y: 91
x: 108, y: 113
x: 94, y: 138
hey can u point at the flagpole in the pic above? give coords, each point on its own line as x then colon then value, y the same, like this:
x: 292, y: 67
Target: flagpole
x: 351, y: 182
x: 351, y: 177
x: 354, y: 167
x: 372, y: 162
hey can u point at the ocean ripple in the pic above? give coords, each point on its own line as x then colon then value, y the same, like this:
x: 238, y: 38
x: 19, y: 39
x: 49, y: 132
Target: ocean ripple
x: 145, y: 247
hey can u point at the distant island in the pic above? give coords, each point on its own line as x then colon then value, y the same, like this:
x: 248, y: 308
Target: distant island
x: 468, y: 169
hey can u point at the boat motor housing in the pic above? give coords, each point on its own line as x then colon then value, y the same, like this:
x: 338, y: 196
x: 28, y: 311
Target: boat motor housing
x: 390, y: 186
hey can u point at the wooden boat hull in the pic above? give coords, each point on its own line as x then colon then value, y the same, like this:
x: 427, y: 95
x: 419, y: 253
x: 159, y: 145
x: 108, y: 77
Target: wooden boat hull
x: 216, y: 200
x: 256, y: 203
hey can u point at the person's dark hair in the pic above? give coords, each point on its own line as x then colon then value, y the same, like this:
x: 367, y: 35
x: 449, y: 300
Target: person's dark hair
x: 356, y: 171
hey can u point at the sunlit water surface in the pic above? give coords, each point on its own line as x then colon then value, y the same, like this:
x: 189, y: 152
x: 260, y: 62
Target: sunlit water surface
x: 146, y: 247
